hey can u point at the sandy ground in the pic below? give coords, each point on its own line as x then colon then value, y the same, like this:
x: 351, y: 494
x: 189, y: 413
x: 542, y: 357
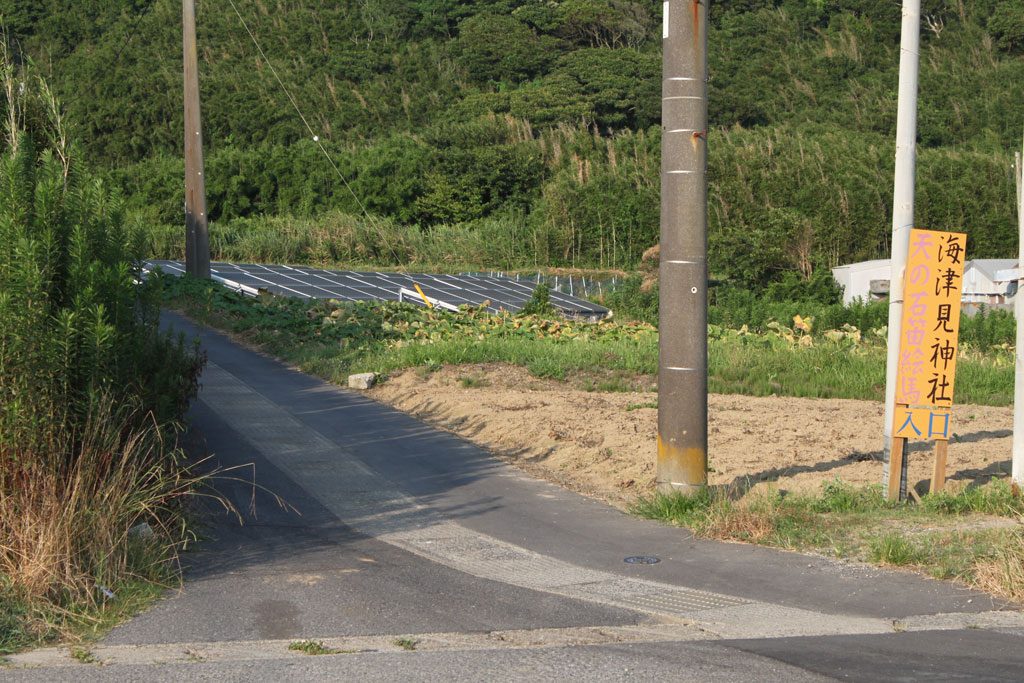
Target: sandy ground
x: 602, y: 444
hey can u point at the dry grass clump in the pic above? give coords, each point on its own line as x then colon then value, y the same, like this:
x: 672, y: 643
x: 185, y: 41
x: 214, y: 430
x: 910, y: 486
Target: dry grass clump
x: 67, y: 517
x: 1004, y: 573
x: 65, y: 521
x: 740, y: 524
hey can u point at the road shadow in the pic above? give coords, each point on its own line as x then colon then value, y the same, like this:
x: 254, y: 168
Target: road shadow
x: 255, y: 514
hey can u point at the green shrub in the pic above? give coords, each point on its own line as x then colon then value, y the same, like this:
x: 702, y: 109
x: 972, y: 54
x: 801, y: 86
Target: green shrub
x: 1007, y: 26
x: 838, y: 496
x: 896, y: 550
x: 629, y: 300
x: 734, y: 307
x: 91, y: 388
x: 540, y: 302
x: 988, y: 328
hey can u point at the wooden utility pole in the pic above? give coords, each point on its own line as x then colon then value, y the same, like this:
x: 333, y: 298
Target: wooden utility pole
x: 197, y: 231
x: 683, y: 272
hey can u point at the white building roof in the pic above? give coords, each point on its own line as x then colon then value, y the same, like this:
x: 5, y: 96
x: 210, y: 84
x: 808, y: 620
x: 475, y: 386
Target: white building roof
x: 990, y: 266
x: 982, y: 278
x: 864, y: 265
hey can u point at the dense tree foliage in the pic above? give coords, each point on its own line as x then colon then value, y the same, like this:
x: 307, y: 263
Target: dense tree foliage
x: 445, y: 115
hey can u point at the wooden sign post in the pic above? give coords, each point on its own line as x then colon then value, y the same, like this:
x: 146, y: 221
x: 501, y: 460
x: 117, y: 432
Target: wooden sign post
x: 928, y: 351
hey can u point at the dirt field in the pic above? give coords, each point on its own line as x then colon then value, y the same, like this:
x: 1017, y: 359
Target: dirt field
x: 602, y: 444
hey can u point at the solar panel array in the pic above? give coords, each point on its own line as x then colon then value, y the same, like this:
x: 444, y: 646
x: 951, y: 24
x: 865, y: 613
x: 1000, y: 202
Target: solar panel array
x: 447, y: 291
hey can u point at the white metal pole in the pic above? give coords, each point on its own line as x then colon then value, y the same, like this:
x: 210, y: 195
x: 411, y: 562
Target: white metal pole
x: 1017, y: 470
x: 903, y: 198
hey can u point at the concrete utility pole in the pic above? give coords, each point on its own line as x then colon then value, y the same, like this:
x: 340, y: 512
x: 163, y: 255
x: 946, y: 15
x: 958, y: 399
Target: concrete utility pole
x: 1017, y: 468
x: 683, y: 369
x: 197, y: 232
x: 902, y: 200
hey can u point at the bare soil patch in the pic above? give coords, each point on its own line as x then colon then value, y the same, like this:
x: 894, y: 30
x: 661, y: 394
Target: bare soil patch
x: 602, y: 444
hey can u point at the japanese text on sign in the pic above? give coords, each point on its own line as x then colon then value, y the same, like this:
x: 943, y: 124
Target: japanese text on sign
x: 928, y: 337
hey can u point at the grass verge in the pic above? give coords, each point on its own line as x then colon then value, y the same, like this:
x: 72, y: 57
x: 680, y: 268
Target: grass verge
x: 26, y: 623
x: 973, y: 536
x: 333, y: 340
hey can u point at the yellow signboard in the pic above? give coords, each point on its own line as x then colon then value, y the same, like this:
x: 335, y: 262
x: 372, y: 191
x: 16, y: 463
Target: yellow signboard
x: 922, y: 422
x: 932, y: 287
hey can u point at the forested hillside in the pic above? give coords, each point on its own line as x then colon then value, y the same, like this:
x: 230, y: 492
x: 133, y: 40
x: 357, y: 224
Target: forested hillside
x: 516, y: 133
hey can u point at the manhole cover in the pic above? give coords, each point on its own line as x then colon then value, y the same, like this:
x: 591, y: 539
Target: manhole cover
x: 642, y: 559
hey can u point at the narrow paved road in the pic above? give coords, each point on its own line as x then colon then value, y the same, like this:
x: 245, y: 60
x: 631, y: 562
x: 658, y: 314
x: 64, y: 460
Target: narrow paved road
x: 415, y: 555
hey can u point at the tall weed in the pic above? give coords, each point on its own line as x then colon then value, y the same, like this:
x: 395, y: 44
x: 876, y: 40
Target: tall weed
x: 66, y: 511
x: 91, y: 388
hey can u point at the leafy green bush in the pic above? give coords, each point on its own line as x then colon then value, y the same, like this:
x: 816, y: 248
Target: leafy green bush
x: 540, y: 302
x: 1007, y: 26
x: 734, y: 307
x: 91, y: 385
x: 988, y: 328
x: 630, y: 301
x: 493, y: 47
x: 72, y: 322
x: 820, y: 287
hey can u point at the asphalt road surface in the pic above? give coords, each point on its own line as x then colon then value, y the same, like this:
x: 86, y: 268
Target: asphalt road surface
x: 409, y: 553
